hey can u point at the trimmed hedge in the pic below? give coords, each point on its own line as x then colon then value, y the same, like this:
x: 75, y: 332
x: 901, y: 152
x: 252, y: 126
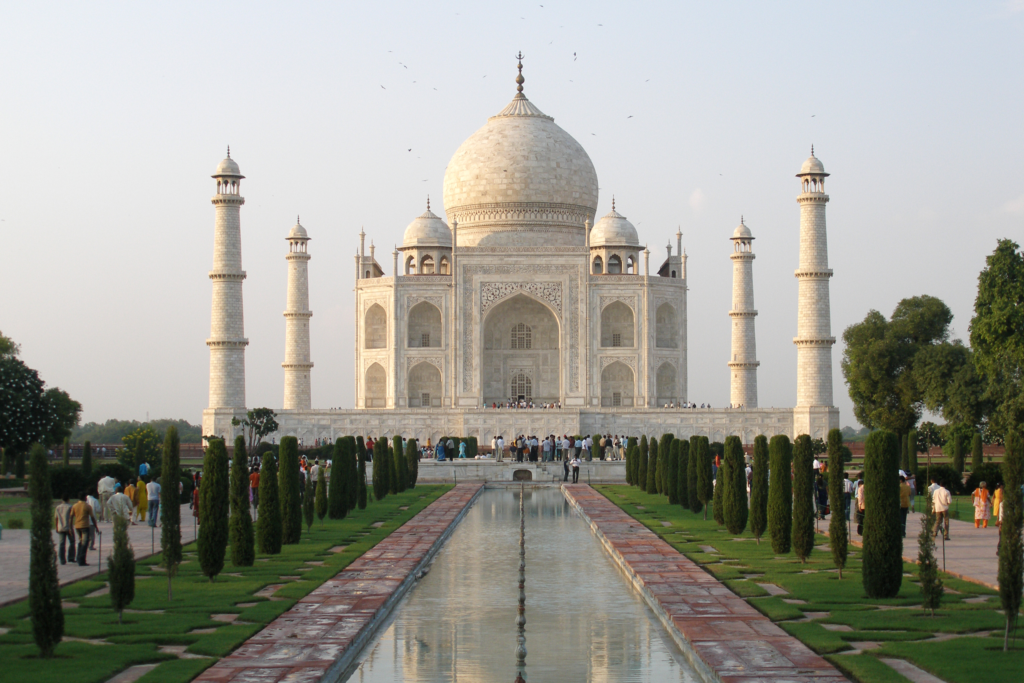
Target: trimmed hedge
x: 883, y: 538
x: 780, y: 494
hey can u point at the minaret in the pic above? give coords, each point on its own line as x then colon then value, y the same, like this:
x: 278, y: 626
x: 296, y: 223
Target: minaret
x: 227, y: 340
x: 743, y: 365
x: 296, y: 335
x: 814, y: 338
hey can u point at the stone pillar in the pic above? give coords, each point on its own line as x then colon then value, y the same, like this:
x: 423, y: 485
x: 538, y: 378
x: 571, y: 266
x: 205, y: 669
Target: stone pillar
x: 743, y: 361
x: 297, y: 366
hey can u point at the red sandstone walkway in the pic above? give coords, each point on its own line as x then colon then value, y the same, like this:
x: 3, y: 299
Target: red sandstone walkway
x: 723, y: 636
x: 324, y: 630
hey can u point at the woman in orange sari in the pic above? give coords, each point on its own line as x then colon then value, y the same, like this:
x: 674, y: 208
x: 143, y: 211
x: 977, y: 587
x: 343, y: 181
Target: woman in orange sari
x: 982, y: 506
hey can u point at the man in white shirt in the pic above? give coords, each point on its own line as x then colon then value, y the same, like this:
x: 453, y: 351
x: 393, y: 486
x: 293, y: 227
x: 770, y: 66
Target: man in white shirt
x: 120, y: 505
x: 153, y: 494
x: 500, y: 452
x: 847, y: 493
x: 494, y: 447
x: 576, y: 470
x: 314, y: 471
x: 940, y: 503
x: 588, y: 447
x: 565, y: 448
x: 105, y: 487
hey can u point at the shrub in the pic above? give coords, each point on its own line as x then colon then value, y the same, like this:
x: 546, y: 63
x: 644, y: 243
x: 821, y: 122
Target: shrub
x: 734, y: 497
x: 759, y: 488
x: 629, y: 465
x: 400, y: 470
x: 170, y: 509
x: 412, y: 456
x: 682, y: 480
x: 240, y: 531
x: 19, y: 466
x: 214, y: 494
x: 943, y: 474
x: 883, y: 536
x: 977, y: 460
x: 989, y: 472
x: 381, y: 475
x: 351, y: 471
x: 665, y: 450
x: 1011, y: 548
x: 780, y: 494
x: 652, y: 467
x: 837, y: 529
x: 672, y: 472
x: 16, y: 523
x: 693, y: 475
x: 291, y: 507
x: 927, y: 566
x: 958, y: 455
x: 904, y: 457
x: 67, y: 452
x: 67, y: 481
x: 705, y: 482
x: 911, y: 451
x: 43, y: 587
x: 114, y: 469
x: 472, y: 447
x: 268, y: 515
x: 121, y: 568
x: 337, y: 496
x: 803, y: 497
x: 641, y: 463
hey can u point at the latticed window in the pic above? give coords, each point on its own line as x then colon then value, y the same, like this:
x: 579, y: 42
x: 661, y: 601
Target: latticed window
x: 522, y: 337
x: 522, y: 387
x: 425, y: 339
x: 616, y: 399
x: 616, y: 339
x: 425, y: 400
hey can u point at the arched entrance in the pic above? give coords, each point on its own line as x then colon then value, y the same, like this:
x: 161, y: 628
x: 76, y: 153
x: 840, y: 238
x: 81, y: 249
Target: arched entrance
x: 520, y: 355
x: 617, y: 386
x: 424, y: 386
x: 376, y: 387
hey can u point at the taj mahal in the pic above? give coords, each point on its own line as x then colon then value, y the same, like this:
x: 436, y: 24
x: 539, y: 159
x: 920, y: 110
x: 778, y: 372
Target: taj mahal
x: 520, y: 293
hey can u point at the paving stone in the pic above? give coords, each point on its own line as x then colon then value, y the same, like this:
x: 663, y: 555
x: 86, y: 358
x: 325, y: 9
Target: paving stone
x: 666, y: 523
x: 132, y: 673
x: 226, y: 618
x: 911, y: 672
x: 841, y: 628
x: 773, y: 589
x: 793, y: 601
x: 338, y: 548
x: 246, y: 604
x: 710, y: 550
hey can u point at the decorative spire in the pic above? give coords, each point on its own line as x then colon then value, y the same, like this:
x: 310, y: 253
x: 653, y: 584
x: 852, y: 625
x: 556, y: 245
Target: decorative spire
x: 741, y: 220
x: 519, y: 79
x: 613, y: 202
x: 428, y: 202
x: 229, y: 151
x: 297, y: 221
x: 812, y: 150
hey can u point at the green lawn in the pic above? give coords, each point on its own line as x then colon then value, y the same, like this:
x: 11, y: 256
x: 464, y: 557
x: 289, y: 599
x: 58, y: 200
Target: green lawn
x: 156, y: 622
x: 14, y: 508
x: 898, y: 624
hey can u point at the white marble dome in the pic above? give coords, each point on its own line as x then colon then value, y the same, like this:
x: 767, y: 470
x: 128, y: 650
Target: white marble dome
x: 427, y: 230
x: 742, y: 232
x: 297, y: 232
x: 520, y: 180
x: 812, y: 166
x: 228, y: 167
x: 613, y: 230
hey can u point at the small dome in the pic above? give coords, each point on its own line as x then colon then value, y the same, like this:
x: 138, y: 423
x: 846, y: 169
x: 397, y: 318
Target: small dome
x: 228, y: 167
x: 427, y: 230
x: 297, y: 232
x: 742, y: 232
x: 812, y: 166
x: 613, y: 230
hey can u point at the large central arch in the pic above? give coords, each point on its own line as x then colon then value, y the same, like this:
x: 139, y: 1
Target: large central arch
x: 520, y: 342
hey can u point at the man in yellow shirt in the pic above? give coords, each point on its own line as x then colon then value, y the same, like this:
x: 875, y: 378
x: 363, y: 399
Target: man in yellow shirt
x: 83, y: 518
x: 904, y: 503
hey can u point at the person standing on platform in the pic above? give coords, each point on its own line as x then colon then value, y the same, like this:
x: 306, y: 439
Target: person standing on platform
x: 565, y: 467
x: 500, y: 453
x: 982, y: 506
x: 62, y: 525
x: 84, y: 518
x: 576, y: 470
x: 940, y: 503
x: 153, y: 494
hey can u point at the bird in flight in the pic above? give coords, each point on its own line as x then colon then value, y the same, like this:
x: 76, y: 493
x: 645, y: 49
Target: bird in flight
x: 410, y: 149
x: 383, y: 87
x: 630, y: 116
x: 574, y: 56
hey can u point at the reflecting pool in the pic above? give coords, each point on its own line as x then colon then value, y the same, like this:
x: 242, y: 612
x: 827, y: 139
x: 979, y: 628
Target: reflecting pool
x: 584, y: 622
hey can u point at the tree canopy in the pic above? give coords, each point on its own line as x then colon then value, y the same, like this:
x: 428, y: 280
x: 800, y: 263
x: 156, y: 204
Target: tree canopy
x: 29, y: 413
x: 258, y: 423
x: 113, y: 431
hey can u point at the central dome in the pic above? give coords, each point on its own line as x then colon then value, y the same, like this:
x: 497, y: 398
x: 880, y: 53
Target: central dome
x: 520, y: 181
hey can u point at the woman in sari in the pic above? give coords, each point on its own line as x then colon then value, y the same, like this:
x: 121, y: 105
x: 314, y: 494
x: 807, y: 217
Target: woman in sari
x: 143, y: 504
x: 982, y: 506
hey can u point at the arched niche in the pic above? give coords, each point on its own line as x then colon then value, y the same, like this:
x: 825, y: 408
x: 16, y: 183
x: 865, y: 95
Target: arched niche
x: 666, y: 327
x: 666, y: 381
x: 617, y: 386
x: 598, y: 266
x: 520, y: 335
x: 410, y: 265
x: 444, y: 269
x: 375, y: 328
x: 424, y: 386
x: 376, y: 387
x: 427, y: 265
x: 617, y: 325
x: 424, y: 326
x: 614, y: 264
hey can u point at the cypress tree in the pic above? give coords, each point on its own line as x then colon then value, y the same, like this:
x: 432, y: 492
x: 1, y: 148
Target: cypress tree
x: 361, y: 448
x: 759, y: 488
x: 883, y: 537
x: 337, y: 496
x: 672, y: 472
x: 682, y: 480
x: 170, y: 506
x: 240, y: 532
x: 912, y: 451
x: 380, y: 470
x: 1011, y: 548
x: 705, y: 481
x: 321, y: 495
x: 121, y: 568
x: 361, y: 499
x: 780, y: 494
x: 401, y: 472
x: 213, y: 509
x: 977, y: 460
x: 693, y: 475
x: 717, y: 498
x: 87, y: 459
x: 19, y: 466
x: 904, y: 455
x: 43, y: 586
x: 837, y: 529
x: 641, y: 463
x: 803, y: 497
x: 664, y: 453
x: 629, y: 466
x: 288, y: 479
x: 268, y: 515
x: 734, y: 497
x: 652, y: 467
x: 927, y: 565
x: 67, y: 452
x: 412, y: 456
x: 308, y: 499
x: 351, y: 472
x: 958, y: 455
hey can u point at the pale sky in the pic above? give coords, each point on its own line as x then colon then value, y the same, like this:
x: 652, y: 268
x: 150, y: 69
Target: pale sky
x: 114, y: 115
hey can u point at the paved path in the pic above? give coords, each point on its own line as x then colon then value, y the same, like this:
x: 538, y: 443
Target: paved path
x: 14, y: 555
x: 970, y: 552
x: 721, y: 634
x: 324, y: 632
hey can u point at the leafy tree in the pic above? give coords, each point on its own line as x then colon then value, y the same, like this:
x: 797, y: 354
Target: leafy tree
x: 43, y: 587
x: 307, y: 501
x: 113, y: 431
x: 950, y: 383
x: 170, y: 507
x: 734, y: 495
x: 837, y: 529
x: 8, y: 349
x: 780, y: 494
x: 672, y: 471
x: 1011, y: 547
x: 67, y: 452
x: 927, y: 565
x: 412, y: 457
x: 321, y: 494
x: 883, y: 537
x: 912, y: 451
x: 337, y: 506
x: 977, y: 460
x: 288, y: 480
x: 140, y: 446
x: 64, y: 415
x: 693, y: 463
x: 258, y: 423
x: 87, y: 459
x: 214, y: 492
x: 682, y: 480
x: 759, y: 488
x: 242, y: 538
x: 705, y: 480
x: 928, y: 435
x: 24, y: 416
x: 803, y: 497
x: 818, y: 446
x: 641, y: 463
x: 268, y: 515
x: 361, y: 501
x: 652, y: 467
x: 121, y: 567
x: 997, y: 335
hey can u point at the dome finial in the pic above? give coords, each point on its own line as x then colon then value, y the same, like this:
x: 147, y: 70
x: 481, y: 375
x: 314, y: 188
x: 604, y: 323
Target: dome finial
x: 519, y: 79
x: 741, y: 220
x: 297, y: 221
x: 229, y: 151
x: 428, y: 202
x: 613, y: 202
x: 812, y: 150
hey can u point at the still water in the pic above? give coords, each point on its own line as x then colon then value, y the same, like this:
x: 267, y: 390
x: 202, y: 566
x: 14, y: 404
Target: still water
x: 584, y: 622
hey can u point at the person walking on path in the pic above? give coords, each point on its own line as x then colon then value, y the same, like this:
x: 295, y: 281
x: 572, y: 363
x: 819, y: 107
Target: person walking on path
x: 847, y: 494
x: 153, y: 496
x: 940, y: 503
x: 105, y: 489
x: 62, y: 525
x: 83, y: 518
x: 254, y: 487
x: 462, y: 449
x: 133, y: 495
x: 904, y: 504
x: 982, y: 506
x: 142, y: 507
x: 860, y: 507
x: 997, y: 505
x: 576, y: 470
x: 120, y: 505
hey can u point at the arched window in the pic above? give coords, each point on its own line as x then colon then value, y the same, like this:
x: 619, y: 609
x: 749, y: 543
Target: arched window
x: 614, y: 264
x: 522, y: 337
x: 667, y: 327
x: 617, y: 325
x: 375, y: 332
x: 444, y: 266
x: 427, y: 265
x: 630, y: 266
x: 522, y: 387
x: 598, y: 266
x: 410, y: 265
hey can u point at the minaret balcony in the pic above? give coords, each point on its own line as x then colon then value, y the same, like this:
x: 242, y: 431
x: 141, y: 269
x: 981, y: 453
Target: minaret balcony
x: 220, y: 275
